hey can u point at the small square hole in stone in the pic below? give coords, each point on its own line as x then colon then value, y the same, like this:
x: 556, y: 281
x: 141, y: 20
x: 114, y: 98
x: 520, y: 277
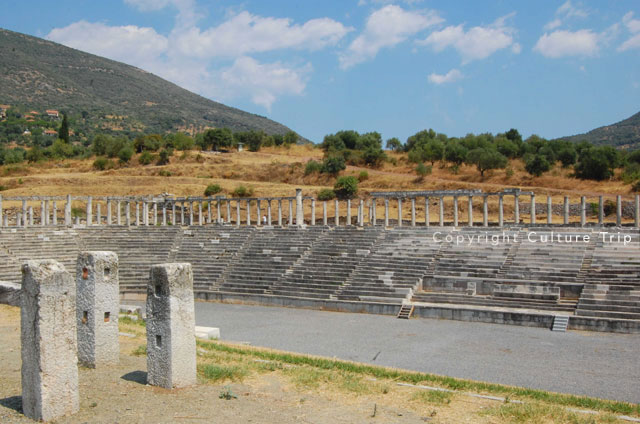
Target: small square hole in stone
x: 85, y: 317
x: 107, y: 271
x: 158, y: 290
x: 85, y: 273
x: 158, y: 340
x: 107, y: 316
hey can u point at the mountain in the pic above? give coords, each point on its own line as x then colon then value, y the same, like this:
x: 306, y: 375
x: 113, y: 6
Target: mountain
x: 102, y: 94
x: 624, y: 134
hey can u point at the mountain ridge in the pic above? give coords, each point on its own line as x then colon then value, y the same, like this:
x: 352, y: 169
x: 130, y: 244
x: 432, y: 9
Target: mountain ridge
x: 624, y: 134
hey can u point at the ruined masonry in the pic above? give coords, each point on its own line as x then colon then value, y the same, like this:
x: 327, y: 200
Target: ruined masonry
x: 98, y: 304
x: 48, y: 332
x: 171, y: 343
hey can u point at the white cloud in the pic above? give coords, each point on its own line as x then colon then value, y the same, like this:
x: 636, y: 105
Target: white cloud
x: 477, y: 43
x: 563, y: 43
x: 263, y: 82
x: 246, y: 33
x: 633, y: 26
x: 451, y: 76
x: 131, y: 44
x: 553, y: 24
x: 386, y: 27
x: 566, y: 11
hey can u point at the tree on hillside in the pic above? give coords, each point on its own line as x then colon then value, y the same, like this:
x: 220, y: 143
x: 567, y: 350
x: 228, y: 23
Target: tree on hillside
x: 290, y: 138
x: 486, y: 159
x: 216, y: 138
x: 455, y: 152
x: 537, y: 165
x: 597, y: 163
x: 394, y: 144
x: 63, y: 132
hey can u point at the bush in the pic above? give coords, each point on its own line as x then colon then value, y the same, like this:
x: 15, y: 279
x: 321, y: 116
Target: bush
x: 242, y: 191
x: 164, y: 155
x: 101, y: 164
x: 636, y: 187
x: 212, y: 189
x: 312, y: 167
x: 333, y: 165
x: 326, y: 194
x: 537, y: 165
x: 422, y: 171
x: 346, y: 187
x: 125, y: 154
x: 146, y: 158
x: 363, y: 176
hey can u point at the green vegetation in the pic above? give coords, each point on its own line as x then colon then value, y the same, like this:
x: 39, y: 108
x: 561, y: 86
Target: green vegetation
x: 346, y: 187
x: 242, y: 191
x: 312, y: 167
x: 212, y: 189
x: 422, y: 171
x: 214, y: 372
x: 326, y: 194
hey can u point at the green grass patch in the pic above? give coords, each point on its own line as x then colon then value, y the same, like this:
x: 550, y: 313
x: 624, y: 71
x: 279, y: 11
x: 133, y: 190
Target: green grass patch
x: 434, y: 397
x: 537, y: 413
x: 417, y: 378
x: 140, y: 350
x: 123, y: 319
x: 213, y: 372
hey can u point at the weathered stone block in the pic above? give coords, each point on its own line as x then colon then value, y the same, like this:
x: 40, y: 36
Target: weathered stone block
x: 97, y: 308
x: 10, y: 293
x: 171, y: 344
x: 48, y: 336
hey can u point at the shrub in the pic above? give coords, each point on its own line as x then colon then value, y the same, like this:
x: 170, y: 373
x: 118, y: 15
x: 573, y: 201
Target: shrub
x: 333, y: 165
x: 212, y: 189
x: 164, y: 155
x: 242, y: 191
x: 312, y: 167
x: 125, y: 154
x: 363, y: 176
x: 145, y: 158
x: 346, y: 187
x: 326, y: 194
x: 636, y: 186
x: 537, y: 165
x: 422, y: 171
x: 164, y: 173
x: 101, y: 164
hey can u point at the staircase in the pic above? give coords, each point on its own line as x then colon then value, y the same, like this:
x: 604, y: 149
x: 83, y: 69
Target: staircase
x: 405, y: 312
x: 560, y: 323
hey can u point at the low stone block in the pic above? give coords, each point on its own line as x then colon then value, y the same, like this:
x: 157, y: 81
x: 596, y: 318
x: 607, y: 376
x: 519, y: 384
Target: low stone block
x: 10, y: 293
x: 208, y: 333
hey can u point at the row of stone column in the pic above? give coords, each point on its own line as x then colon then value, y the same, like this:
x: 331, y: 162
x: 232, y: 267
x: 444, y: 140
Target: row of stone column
x: 264, y: 216
x: 65, y: 322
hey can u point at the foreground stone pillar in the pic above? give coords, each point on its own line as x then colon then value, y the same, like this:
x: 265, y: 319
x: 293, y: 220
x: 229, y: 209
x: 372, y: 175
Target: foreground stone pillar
x: 485, y: 211
x: 67, y: 211
x: 290, y: 212
x: 566, y: 210
x: 249, y: 212
x: 43, y: 214
x: 155, y: 213
x: 55, y: 212
x: 191, y: 213
x: 119, y: 212
x: 164, y: 213
x: 238, y: 213
x: 98, y: 305
x: 171, y: 343
x: 583, y: 211
x: 348, y: 212
x: 313, y: 212
x: 516, y: 209
x: 324, y: 213
x: 109, y: 212
x: 399, y: 212
x: 229, y: 211
x: 549, y: 210
x: 200, y: 216
x: 413, y: 212
x: 426, y: 212
x: 455, y: 211
x: 618, y: 210
x: 269, y: 212
x: 386, y: 212
x: 49, y: 341
x: 137, y: 213
x: 182, y: 213
x: 127, y: 212
x: 173, y: 213
x: 441, y: 206
x: 280, y: 212
x: 600, y: 210
x: 299, y: 210
x: 259, y: 212
x: 218, y: 212
x: 31, y: 216
x: 533, y: 209
x: 361, y: 213
x: 470, y: 211
x: 89, y: 211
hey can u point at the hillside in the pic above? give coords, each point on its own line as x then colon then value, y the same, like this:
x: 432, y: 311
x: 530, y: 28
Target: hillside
x: 104, y: 94
x: 624, y: 134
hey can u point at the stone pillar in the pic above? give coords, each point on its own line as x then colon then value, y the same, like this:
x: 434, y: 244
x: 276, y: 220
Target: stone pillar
x: 137, y: 213
x: 31, y: 216
x: 290, y: 213
x: 280, y: 212
x: 47, y: 213
x: 533, y: 209
x: 127, y: 212
x: 600, y: 210
x: 248, y: 212
x: 209, y: 217
x: 348, y: 212
x: 399, y: 212
x: 164, y: 213
x: 516, y: 209
x: 108, y: 211
x: 119, y: 212
x: 500, y: 210
x: 67, y: 211
x: 5, y: 220
x: 386, y: 212
x: 229, y: 211
x: 171, y: 342
x: 426, y: 212
x: 237, y: 213
x: 182, y: 213
x: 470, y: 211
x: 269, y: 212
x: 549, y: 211
x: 361, y: 210
x: 337, y: 213
x: 618, y: 210
x: 259, y: 212
x: 55, y: 211
x: 485, y: 211
x: 583, y: 211
x: 49, y: 341
x: 441, y: 206
x: 299, y: 210
x: 324, y: 213
x: 313, y: 212
x: 637, y: 217
x: 89, y: 211
x: 18, y: 219
x: 25, y: 217
x: 455, y: 211
x: 413, y: 212
x: 200, y: 216
x: 218, y: 212
x: 566, y: 210
x: 98, y: 215
x: 155, y: 213
x: 2, y: 215
x: 190, y: 213
x: 77, y: 220
x: 174, y: 221
x: 43, y: 214
x: 374, y: 217
x: 98, y: 305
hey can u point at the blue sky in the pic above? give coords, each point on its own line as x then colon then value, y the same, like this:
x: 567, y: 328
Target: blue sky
x: 551, y: 68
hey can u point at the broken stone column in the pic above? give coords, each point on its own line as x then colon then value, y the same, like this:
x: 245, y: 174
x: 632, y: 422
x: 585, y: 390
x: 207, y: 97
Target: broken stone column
x: 48, y: 336
x: 171, y: 343
x: 97, y: 308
